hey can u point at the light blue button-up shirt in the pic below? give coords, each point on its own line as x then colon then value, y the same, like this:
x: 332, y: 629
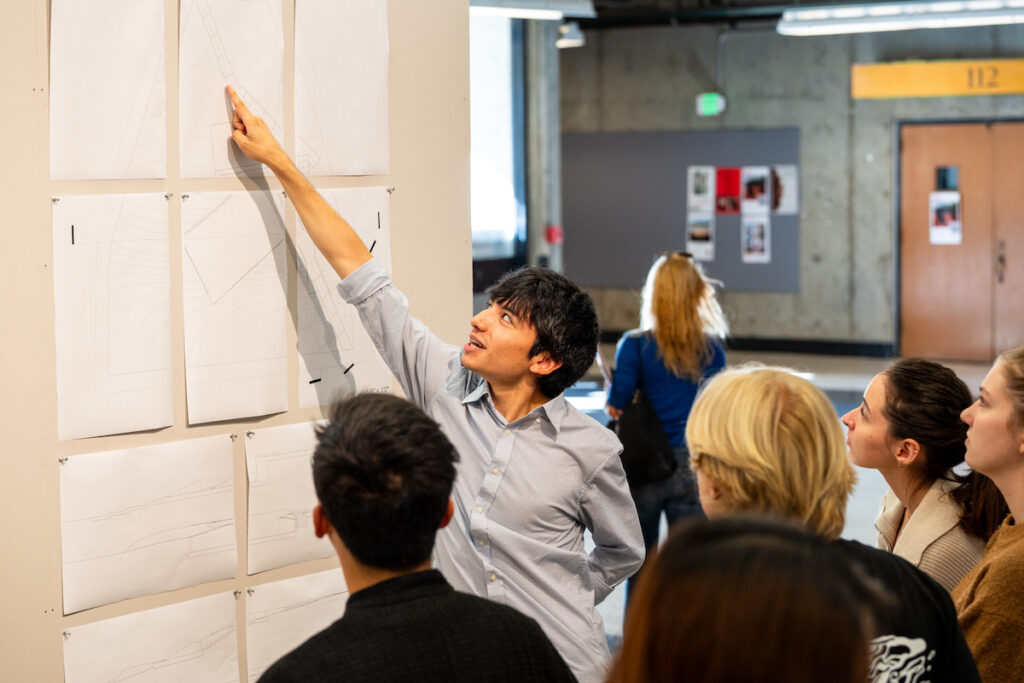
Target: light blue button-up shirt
x: 525, y: 490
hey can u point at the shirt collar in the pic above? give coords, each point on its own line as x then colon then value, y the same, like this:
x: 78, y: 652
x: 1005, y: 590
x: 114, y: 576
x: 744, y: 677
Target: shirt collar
x: 555, y: 409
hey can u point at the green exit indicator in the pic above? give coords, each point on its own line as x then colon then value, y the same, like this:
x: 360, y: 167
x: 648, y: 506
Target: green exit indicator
x: 710, y: 104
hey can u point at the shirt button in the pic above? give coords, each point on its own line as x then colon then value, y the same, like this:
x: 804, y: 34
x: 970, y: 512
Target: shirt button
x: 493, y: 577
x: 538, y: 419
x: 482, y: 542
x: 480, y: 508
x: 508, y: 431
x: 495, y: 470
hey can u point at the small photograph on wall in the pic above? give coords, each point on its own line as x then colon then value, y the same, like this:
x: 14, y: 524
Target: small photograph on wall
x: 700, y: 236
x: 784, y: 190
x: 700, y: 188
x: 756, y: 239
x: 756, y: 189
x: 727, y: 190
x: 944, y: 226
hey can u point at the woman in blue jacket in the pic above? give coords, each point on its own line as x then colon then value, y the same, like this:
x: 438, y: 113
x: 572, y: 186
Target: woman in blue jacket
x: 677, y: 346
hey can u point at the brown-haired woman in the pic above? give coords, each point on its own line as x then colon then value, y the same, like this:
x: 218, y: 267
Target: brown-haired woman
x: 746, y: 599
x: 990, y: 600
x: 908, y: 428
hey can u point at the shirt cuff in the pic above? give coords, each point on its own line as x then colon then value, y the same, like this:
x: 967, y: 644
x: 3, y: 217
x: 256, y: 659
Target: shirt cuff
x: 364, y: 282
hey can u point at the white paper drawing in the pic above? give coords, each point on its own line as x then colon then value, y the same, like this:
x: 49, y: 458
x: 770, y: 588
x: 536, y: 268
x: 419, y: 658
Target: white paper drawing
x: 192, y: 641
x: 236, y: 42
x: 341, y: 87
x: 107, y: 101
x: 112, y: 304
x: 282, y: 615
x: 755, y: 190
x: 944, y: 221
x: 756, y: 239
x: 281, y: 497
x: 700, y: 189
x: 146, y: 520
x: 700, y: 236
x: 234, y: 277
x: 785, y: 190
x: 336, y: 356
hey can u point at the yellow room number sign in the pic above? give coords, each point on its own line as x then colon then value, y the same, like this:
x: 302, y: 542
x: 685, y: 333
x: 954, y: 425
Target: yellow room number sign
x: 953, y: 78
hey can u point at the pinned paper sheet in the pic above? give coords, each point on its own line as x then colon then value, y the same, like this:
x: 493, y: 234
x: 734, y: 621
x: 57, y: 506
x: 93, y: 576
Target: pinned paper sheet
x: 236, y: 42
x: 146, y: 520
x: 192, y: 641
x: 282, y: 615
x: 234, y: 274
x: 112, y: 299
x: 99, y: 128
x: 281, y: 497
x: 341, y: 87
x: 336, y: 356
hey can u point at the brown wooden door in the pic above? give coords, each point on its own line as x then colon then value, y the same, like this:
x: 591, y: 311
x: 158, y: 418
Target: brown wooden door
x: 946, y: 291
x: 1008, y: 224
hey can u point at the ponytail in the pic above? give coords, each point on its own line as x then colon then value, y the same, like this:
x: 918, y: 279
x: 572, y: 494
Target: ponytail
x: 982, y: 507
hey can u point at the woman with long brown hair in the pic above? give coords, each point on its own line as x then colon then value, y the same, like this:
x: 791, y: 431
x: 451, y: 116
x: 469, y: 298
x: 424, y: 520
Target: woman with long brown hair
x: 677, y: 346
x: 908, y: 427
x: 989, y: 600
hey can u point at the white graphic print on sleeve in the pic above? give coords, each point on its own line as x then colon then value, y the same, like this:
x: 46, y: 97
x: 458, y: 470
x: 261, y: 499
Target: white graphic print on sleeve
x: 895, y: 659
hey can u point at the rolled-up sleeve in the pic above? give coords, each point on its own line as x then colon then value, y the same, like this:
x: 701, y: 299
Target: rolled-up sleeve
x: 610, y: 515
x: 414, y: 354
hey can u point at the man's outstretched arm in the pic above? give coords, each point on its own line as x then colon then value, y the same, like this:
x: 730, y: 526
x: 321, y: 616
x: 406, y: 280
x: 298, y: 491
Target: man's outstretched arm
x: 331, y: 233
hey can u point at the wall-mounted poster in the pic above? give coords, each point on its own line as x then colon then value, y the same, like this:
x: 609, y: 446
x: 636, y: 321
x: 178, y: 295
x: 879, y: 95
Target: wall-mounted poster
x: 944, y: 225
x: 727, y: 190
x: 784, y: 190
x: 700, y: 188
x: 756, y: 239
x: 700, y: 236
x: 756, y: 189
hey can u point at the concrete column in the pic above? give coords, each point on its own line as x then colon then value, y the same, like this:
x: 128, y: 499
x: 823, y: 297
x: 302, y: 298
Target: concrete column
x: 543, y: 144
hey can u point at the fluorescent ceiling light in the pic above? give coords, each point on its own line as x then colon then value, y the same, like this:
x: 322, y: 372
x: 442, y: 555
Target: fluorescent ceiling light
x: 534, y: 9
x: 898, y: 16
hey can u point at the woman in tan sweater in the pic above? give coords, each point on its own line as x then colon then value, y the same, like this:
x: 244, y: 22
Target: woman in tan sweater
x: 989, y: 600
x: 908, y: 428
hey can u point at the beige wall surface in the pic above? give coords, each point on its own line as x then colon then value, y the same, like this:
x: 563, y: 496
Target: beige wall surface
x: 432, y: 262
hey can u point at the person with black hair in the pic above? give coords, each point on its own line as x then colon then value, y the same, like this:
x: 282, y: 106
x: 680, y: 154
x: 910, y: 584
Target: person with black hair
x: 535, y: 473
x: 383, y: 473
x: 908, y: 427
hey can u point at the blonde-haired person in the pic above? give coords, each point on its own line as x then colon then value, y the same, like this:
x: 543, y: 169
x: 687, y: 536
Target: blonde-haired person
x: 677, y: 346
x: 765, y: 440
x: 990, y: 599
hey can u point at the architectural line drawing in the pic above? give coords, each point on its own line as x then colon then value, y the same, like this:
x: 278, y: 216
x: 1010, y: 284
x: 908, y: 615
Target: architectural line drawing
x: 145, y: 520
x: 281, y: 498
x: 336, y: 357
x: 234, y: 274
x: 192, y: 641
x: 96, y: 47
x: 282, y: 614
x: 113, y: 314
x: 237, y: 42
x: 341, y: 87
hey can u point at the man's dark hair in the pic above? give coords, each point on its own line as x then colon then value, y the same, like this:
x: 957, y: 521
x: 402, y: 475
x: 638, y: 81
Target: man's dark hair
x: 383, y: 472
x: 563, y: 316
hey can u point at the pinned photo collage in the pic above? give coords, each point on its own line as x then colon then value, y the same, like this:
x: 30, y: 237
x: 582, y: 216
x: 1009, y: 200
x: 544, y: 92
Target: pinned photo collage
x: 753, y: 192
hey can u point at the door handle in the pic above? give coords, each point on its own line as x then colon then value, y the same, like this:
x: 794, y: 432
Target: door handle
x: 1001, y: 262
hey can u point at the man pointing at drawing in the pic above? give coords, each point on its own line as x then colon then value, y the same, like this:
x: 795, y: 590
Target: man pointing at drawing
x: 534, y: 472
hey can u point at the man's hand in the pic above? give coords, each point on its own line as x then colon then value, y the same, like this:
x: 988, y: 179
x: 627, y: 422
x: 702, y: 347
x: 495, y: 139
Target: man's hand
x: 253, y: 136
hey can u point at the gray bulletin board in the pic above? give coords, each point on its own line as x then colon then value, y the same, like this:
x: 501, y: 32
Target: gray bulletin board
x: 624, y: 201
